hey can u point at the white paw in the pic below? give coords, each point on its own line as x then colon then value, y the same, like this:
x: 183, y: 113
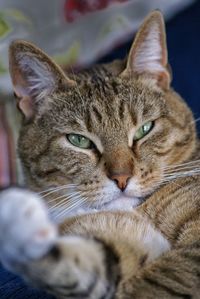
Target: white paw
x: 25, y: 229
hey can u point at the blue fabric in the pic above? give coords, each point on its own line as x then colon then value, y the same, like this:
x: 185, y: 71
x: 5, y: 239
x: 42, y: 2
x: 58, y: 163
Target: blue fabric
x: 12, y: 287
x: 184, y: 55
x: 183, y: 34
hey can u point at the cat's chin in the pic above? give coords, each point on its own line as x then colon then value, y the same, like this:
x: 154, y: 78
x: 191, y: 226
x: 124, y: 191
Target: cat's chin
x: 122, y: 203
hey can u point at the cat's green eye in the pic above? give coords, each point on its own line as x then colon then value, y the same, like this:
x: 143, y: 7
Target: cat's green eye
x: 80, y: 141
x: 143, y: 130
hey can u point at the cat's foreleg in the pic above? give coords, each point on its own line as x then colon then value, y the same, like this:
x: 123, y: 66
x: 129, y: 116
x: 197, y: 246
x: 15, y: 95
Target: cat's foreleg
x: 68, y: 267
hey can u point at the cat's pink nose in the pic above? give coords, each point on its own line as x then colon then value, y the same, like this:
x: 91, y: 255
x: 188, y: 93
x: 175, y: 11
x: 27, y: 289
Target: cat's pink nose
x: 121, y: 180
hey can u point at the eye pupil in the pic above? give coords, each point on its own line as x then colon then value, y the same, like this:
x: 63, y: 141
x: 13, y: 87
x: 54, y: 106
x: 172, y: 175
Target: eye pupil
x: 146, y: 127
x: 80, y: 141
x: 143, y: 130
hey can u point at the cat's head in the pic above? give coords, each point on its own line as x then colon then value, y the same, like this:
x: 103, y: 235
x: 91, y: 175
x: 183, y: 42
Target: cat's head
x: 107, y: 136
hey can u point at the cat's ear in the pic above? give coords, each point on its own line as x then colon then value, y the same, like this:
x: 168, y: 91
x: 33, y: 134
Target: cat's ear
x: 148, y: 54
x: 34, y: 76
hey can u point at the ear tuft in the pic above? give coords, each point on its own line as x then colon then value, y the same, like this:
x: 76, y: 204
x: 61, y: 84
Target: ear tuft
x: 34, y: 75
x: 41, y: 81
x: 148, y: 54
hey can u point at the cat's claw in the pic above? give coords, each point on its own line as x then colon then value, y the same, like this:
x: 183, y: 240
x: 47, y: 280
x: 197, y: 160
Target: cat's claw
x: 25, y: 229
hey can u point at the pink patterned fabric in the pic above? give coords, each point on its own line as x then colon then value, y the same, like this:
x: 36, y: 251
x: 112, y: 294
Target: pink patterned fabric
x: 74, y: 32
x: 7, y: 151
x: 73, y: 9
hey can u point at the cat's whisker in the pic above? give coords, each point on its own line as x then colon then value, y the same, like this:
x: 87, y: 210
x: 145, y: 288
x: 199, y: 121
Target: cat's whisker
x: 66, y: 204
x: 76, y: 204
x: 66, y: 201
x: 180, y: 170
x: 53, y: 209
x: 181, y: 175
x: 195, y: 170
x: 68, y: 195
x: 188, y: 164
x: 59, y: 203
x: 183, y: 164
x: 195, y: 120
x: 57, y: 189
x: 67, y: 210
x: 52, y: 188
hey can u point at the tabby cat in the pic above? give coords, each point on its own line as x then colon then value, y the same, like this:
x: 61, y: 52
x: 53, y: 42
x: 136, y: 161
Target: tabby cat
x: 95, y: 145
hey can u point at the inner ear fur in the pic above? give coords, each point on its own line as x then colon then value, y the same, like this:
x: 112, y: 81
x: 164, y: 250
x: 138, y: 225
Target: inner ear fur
x: 148, y: 55
x: 34, y: 75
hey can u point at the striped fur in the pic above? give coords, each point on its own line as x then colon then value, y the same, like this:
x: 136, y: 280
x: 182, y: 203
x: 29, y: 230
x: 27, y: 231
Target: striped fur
x: 107, y: 104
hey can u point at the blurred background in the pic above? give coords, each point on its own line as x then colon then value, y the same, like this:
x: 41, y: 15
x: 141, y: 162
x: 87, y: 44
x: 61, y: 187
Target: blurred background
x: 77, y: 33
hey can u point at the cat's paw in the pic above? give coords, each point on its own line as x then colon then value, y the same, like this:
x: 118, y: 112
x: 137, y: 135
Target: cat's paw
x: 25, y: 229
x: 68, y: 267
x: 76, y: 267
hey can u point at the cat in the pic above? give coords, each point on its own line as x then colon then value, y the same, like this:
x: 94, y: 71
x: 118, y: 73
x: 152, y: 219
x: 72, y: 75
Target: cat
x: 31, y: 246
x: 118, y: 146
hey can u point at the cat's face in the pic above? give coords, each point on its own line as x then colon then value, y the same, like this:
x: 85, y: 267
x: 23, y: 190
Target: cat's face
x: 107, y: 135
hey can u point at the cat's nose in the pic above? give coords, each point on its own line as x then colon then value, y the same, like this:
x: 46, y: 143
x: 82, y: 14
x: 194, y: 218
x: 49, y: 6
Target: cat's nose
x: 121, y: 180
